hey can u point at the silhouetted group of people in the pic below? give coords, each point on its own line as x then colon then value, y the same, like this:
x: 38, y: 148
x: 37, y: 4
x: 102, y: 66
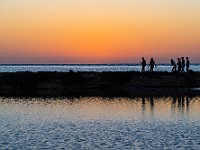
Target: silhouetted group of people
x: 152, y: 64
x: 181, y: 63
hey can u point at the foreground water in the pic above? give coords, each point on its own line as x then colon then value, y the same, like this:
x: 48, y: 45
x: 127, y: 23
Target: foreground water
x: 100, y: 123
x: 85, y: 67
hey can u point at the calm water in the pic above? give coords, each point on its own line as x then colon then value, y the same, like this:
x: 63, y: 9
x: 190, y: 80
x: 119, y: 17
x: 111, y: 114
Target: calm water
x: 86, y: 67
x: 100, y: 123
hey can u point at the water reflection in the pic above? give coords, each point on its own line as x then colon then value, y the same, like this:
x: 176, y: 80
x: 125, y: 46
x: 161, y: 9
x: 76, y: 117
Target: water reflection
x: 180, y: 107
x: 182, y: 104
x: 89, y: 108
x: 100, y: 123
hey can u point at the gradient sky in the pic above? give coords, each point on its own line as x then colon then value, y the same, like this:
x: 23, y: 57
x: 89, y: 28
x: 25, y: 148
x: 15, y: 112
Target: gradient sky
x: 98, y: 31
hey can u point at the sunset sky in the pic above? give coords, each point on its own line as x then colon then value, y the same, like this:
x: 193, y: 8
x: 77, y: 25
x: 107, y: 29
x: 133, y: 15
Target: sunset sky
x: 98, y: 31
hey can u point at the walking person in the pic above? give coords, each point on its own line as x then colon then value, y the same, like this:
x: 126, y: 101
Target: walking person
x: 143, y: 63
x: 152, y: 64
x: 179, y: 64
x: 183, y: 64
x: 187, y: 64
x: 174, y: 65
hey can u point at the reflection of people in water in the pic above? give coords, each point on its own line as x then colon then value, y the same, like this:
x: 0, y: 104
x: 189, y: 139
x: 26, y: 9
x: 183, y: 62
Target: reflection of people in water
x: 152, y: 102
x: 173, y: 64
x: 143, y: 106
x: 143, y: 63
x: 187, y: 64
x: 152, y: 64
x: 182, y: 102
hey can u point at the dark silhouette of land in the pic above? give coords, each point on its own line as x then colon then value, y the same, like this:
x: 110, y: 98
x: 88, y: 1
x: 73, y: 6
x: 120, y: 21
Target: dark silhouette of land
x: 75, y: 84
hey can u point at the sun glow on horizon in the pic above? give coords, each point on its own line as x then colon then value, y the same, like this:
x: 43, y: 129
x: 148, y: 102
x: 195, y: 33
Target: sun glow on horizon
x: 94, y: 31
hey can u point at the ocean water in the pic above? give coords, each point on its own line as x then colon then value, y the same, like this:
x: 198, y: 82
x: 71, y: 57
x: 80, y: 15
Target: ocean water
x: 84, y: 67
x: 100, y: 123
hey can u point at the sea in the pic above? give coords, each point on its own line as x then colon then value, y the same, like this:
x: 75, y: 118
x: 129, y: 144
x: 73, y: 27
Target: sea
x: 99, y: 123
x: 88, y: 123
x: 85, y: 67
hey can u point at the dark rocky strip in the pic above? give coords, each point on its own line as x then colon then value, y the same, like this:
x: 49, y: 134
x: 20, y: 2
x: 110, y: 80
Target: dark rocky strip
x: 113, y: 84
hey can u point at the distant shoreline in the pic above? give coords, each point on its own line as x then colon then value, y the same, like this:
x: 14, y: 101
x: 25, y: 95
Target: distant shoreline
x: 138, y: 64
x: 86, y: 67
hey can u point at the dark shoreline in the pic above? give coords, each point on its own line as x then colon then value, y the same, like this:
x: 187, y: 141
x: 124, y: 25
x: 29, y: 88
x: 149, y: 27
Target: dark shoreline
x: 102, y: 84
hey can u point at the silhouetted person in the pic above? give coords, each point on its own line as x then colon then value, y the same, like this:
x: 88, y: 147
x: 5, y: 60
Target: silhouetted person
x: 152, y: 64
x: 187, y: 64
x: 143, y: 63
x: 183, y: 64
x: 173, y: 64
x: 179, y: 64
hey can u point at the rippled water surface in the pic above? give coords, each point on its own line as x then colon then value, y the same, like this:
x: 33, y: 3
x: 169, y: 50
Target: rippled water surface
x: 100, y: 123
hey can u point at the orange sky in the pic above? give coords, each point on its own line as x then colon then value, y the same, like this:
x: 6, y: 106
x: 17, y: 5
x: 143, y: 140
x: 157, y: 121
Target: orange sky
x: 96, y: 31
